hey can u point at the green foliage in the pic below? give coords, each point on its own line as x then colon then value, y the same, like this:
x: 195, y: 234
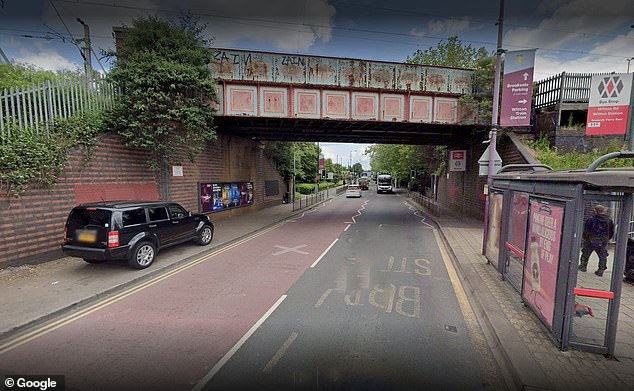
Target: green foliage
x: 395, y: 159
x: 30, y: 159
x: 21, y: 75
x: 429, y: 159
x: 305, y: 188
x: 305, y: 154
x: 574, y: 160
x: 450, y: 53
x: 164, y: 75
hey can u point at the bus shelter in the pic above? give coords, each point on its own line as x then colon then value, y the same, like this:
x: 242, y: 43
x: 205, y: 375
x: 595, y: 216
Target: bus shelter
x: 535, y: 236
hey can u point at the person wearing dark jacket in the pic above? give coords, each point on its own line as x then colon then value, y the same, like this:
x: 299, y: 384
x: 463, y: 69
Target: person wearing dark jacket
x: 597, y: 231
x: 629, y: 262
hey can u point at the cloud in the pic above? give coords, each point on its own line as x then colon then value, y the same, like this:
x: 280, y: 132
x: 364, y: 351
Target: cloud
x: 47, y: 59
x: 577, y: 22
x: 449, y: 25
x: 286, y: 24
x: 416, y: 33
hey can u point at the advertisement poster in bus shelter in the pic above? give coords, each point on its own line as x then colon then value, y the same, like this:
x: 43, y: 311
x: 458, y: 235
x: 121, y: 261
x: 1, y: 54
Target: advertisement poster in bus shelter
x: 542, y: 258
x: 215, y: 197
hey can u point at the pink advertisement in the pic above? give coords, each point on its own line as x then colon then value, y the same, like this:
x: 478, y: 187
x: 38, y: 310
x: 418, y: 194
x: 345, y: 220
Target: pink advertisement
x: 542, y: 258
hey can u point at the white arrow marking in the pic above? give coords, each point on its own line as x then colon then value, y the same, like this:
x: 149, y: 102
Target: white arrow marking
x: 525, y: 76
x: 523, y: 101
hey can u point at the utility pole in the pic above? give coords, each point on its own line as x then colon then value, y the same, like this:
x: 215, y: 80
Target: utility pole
x: 6, y: 59
x: 494, y: 121
x: 87, y: 51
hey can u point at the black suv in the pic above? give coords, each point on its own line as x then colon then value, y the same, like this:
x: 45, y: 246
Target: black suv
x: 132, y: 230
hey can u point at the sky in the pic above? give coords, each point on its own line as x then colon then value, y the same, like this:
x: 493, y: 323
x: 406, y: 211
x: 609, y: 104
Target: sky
x: 569, y: 35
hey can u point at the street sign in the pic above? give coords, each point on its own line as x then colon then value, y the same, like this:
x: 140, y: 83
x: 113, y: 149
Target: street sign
x: 517, y: 88
x: 458, y: 160
x: 483, y: 162
x: 608, y: 106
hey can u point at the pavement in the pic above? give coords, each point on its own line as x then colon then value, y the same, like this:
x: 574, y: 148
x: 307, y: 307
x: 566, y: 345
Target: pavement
x: 33, y: 294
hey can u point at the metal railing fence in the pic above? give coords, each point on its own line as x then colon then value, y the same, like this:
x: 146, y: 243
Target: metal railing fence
x: 35, y: 107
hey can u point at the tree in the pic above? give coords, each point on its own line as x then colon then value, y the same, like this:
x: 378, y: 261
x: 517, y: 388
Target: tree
x: 453, y: 53
x: 163, y: 73
x: 357, y: 168
x: 450, y: 53
x: 392, y: 158
x: 21, y: 75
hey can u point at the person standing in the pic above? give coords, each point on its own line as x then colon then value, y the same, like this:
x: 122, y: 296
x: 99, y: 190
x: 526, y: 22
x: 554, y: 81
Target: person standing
x: 597, y: 231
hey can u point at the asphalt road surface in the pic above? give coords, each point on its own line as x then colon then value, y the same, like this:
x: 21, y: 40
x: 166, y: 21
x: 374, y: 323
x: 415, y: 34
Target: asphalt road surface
x: 353, y: 295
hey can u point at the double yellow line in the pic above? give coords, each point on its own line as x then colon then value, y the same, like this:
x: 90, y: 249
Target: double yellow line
x: 49, y: 327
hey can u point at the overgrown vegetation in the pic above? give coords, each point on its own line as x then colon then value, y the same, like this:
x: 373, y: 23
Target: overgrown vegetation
x: 574, y: 160
x: 31, y: 159
x: 431, y: 159
x: 21, y: 75
x: 167, y: 89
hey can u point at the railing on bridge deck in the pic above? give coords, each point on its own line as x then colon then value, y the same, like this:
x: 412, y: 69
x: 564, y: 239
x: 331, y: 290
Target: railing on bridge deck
x: 563, y: 88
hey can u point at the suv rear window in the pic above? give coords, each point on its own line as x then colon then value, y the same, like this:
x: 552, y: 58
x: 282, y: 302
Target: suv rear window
x: 133, y: 217
x: 81, y: 217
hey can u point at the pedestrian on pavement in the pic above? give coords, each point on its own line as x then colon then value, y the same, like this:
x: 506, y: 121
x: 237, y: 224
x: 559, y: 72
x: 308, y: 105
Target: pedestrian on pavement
x: 629, y: 262
x: 597, y: 231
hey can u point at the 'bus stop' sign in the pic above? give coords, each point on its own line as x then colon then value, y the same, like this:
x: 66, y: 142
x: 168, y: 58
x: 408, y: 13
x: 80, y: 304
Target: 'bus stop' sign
x: 608, y: 107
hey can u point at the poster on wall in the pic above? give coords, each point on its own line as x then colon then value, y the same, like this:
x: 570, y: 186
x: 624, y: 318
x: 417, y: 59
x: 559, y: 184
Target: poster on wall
x: 542, y: 258
x: 492, y: 250
x: 215, y: 197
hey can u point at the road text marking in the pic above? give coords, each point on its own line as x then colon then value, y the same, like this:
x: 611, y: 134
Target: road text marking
x: 323, y: 298
x: 280, y: 352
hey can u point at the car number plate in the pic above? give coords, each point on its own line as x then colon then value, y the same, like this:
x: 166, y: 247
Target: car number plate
x: 87, y: 236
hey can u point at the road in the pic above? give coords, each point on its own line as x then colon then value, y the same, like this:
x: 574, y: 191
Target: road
x: 356, y: 294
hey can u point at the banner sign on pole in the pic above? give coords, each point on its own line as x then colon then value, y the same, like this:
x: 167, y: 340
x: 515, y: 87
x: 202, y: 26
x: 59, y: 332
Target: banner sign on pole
x: 608, y: 106
x: 517, y: 88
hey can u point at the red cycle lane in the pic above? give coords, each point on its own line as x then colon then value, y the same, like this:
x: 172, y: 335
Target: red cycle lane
x: 169, y: 334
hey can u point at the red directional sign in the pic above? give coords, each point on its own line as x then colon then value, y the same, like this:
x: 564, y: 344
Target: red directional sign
x: 608, y: 107
x: 517, y: 88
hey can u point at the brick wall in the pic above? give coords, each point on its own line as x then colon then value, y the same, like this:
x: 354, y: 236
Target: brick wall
x: 462, y: 192
x: 31, y: 227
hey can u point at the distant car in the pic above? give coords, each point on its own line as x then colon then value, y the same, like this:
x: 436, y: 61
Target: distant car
x: 131, y: 230
x: 353, y: 191
x: 363, y: 183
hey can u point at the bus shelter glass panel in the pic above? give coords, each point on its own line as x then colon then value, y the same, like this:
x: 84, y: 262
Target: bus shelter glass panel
x: 542, y: 258
x: 594, y: 288
x: 516, y: 239
x: 492, y: 249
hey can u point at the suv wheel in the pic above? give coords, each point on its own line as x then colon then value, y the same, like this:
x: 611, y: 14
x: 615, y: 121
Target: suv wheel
x: 205, y: 235
x: 142, y: 256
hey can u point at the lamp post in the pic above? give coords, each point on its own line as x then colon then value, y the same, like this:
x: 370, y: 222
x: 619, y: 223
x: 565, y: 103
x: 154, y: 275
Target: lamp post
x: 494, y: 123
x: 628, y: 64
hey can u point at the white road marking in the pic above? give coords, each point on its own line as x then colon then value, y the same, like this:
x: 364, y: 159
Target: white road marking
x: 324, y: 253
x: 280, y: 352
x: 347, y: 226
x: 285, y: 249
x: 237, y: 346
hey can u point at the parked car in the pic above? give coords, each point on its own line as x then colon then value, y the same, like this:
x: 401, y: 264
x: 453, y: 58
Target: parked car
x: 131, y: 230
x: 353, y: 191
